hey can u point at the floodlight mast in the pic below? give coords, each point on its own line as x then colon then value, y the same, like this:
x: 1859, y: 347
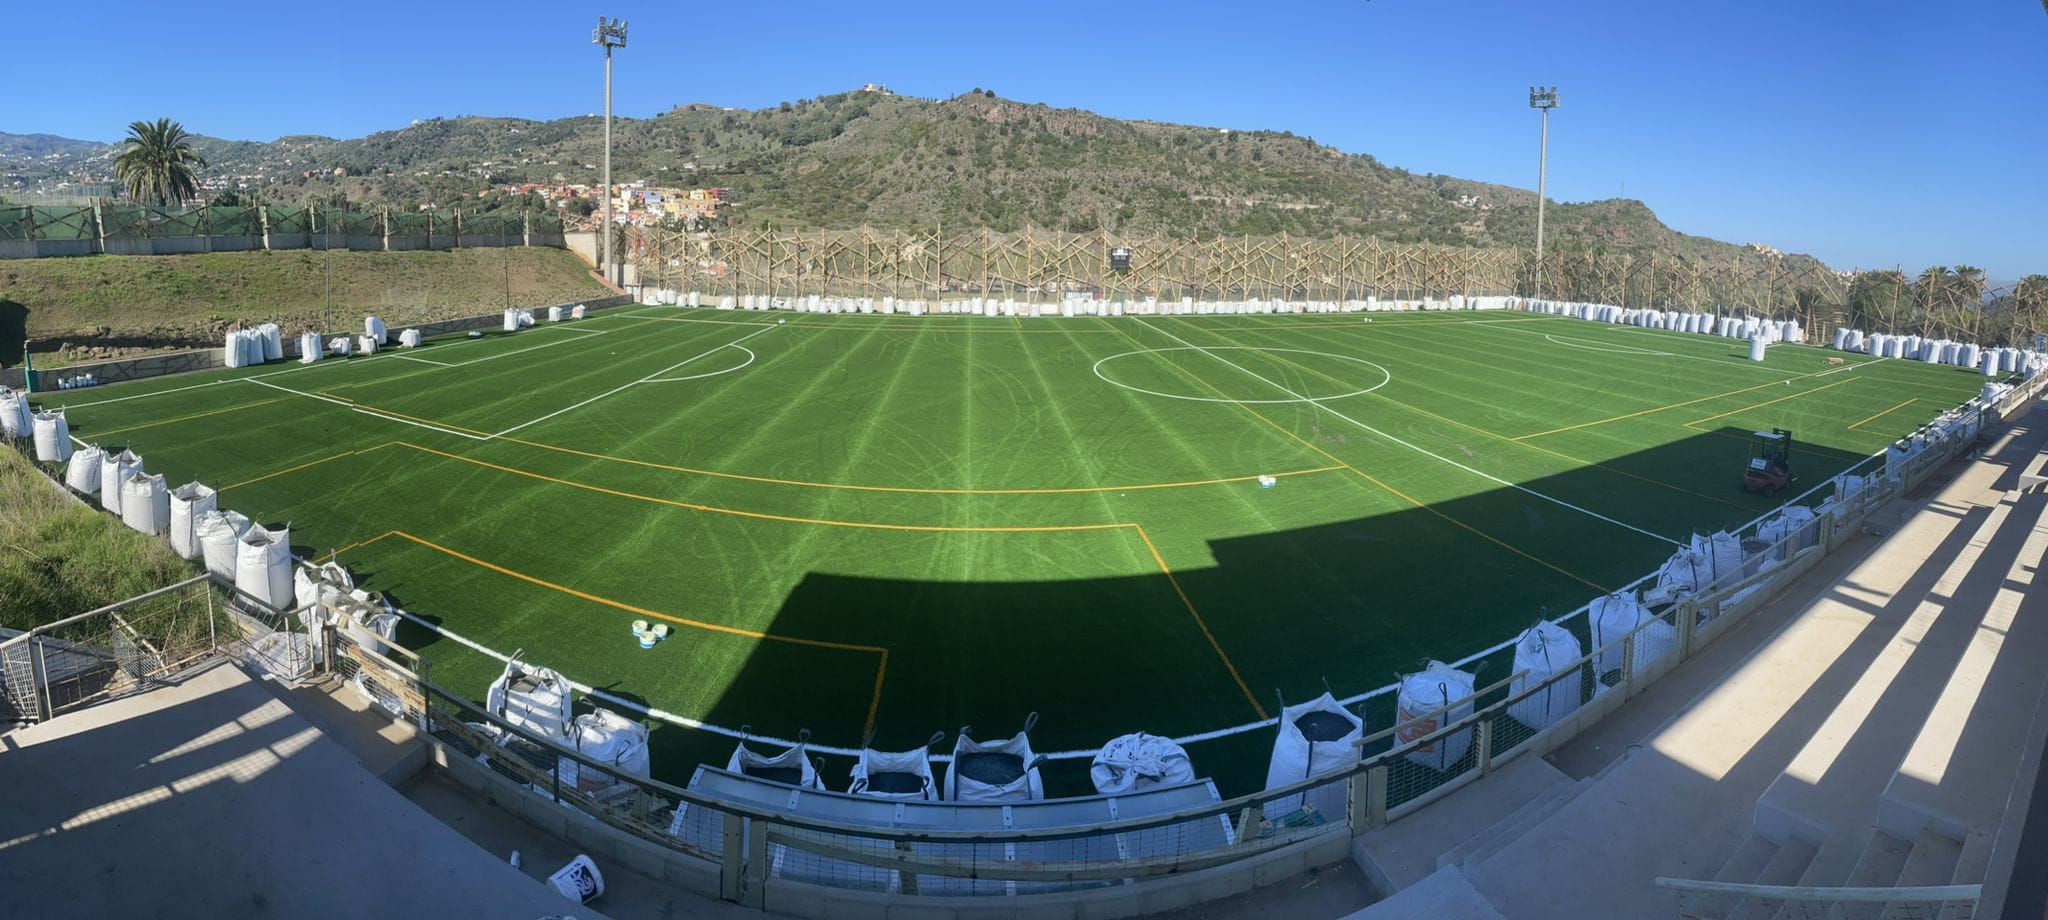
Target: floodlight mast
x: 1543, y: 99
x: 611, y: 33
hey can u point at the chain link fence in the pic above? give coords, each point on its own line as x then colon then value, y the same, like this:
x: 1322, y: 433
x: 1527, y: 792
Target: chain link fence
x: 112, y: 651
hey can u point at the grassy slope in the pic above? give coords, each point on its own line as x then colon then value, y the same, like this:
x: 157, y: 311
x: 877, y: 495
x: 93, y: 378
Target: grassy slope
x: 1336, y: 575
x: 169, y: 295
x: 58, y: 558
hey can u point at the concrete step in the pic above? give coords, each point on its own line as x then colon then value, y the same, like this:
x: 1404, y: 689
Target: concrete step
x: 1919, y: 638
x: 1971, y: 867
x: 1960, y: 769
x: 1931, y: 861
x: 1511, y: 828
x: 1785, y: 867
x: 1879, y: 864
x: 1442, y: 895
x: 1406, y: 852
x: 1829, y: 867
x: 1748, y: 861
x: 389, y: 749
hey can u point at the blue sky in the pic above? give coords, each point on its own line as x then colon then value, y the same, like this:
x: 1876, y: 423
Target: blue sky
x: 1867, y: 133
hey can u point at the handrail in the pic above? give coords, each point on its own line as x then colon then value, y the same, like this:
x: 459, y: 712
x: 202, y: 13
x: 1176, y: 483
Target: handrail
x: 46, y: 628
x: 1914, y: 893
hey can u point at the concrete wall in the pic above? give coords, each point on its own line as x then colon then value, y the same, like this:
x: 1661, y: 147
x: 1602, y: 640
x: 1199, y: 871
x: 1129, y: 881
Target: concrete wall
x: 287, y: 241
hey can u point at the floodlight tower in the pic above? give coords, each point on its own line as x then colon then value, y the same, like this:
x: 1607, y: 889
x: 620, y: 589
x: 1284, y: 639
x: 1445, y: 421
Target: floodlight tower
x: 611, y: 33
x: 1542, y: 99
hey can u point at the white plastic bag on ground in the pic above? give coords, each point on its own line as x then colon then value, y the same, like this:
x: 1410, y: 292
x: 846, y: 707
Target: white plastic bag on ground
x: 83, y: 473
x: 1611, y: 618
x: 263, y: 566
x: 533, y: 698
x: 219, y: 533
x: 791, y: 767
x: 188, y: 503
x: 1420, y: 710
x: 1136, y: 762
x: 1542, y: 652
x: 995, y: 771
x: 53, y: 436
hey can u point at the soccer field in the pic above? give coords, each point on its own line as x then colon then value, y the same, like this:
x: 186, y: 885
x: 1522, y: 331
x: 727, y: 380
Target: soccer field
x: 896, y: 525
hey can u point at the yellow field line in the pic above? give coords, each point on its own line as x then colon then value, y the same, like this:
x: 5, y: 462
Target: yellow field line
x: 346, y: 453
x: 1390, y: 489
x: 185, y: 418
x: 1502, y: 437
x: 851, y: 487
x: 1697, y: 422
x: 1885, y: 413
x: 1689, y: 402
x: 1200, y: 623
x: 764, y: 516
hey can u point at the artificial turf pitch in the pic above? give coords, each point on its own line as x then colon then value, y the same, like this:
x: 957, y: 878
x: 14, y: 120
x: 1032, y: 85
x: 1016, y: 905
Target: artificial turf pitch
x: 897, y: 525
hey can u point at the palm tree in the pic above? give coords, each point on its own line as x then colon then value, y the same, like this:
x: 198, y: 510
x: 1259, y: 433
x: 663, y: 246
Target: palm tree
x: 1930, y: 290
x: 157, y: 166
x: 1968, y: 292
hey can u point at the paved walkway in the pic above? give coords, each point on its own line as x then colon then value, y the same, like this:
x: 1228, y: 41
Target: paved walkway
x: 208, y: 797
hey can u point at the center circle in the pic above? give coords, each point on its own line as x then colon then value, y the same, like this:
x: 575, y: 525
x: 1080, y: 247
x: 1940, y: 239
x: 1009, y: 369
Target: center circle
x: 1255, y: 374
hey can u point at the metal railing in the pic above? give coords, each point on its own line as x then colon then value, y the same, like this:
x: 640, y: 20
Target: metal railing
x: 110, y: 651
x: 1699, y: 900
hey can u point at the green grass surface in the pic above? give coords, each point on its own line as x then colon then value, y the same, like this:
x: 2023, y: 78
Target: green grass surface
x: 914, y: 524
x: 58, y: 557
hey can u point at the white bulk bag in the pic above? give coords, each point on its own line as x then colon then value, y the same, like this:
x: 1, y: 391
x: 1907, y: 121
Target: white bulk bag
x: 15, y: 419
x: 1795, y: 523
x: 339, y: 346
x: 366, y: 345
x: 1612, y: 617
x: 410, y: 338
x: 1723, y: 552
x: 252, y: 348
x: 1314, y: 737
x: 188, y: 503
x: 370, y: 623
x: 309, y: 348
x: 310, y: 583
x: 53, y: 436
x: 525, y: 318
x: 1542, y: 652
x: 272, y: 339
x: 533, y: 698
x: 1136, y: 762
x: 83, y: 474
x: 219, y: 533
x: 606, y: 736
x: 231, y: 350
x: 995, y: 771
x: 263, y: 566
x: 1757, y: 346
x: 511, y: 320
x: 554, y: 314
x: 578, y: 311
x: 902, y: 775
x: 374, y: 328
x: 145, y: 506
x: 114, y: 470
x: 792, y: 767
x: 1424, y: 693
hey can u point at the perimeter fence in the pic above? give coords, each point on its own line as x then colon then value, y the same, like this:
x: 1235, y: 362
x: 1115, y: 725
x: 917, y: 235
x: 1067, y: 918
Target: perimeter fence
x: 35, y: 231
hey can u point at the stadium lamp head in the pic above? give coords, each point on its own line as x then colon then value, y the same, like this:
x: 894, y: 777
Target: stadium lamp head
x: 610, y: 33
x: 1543, y: 97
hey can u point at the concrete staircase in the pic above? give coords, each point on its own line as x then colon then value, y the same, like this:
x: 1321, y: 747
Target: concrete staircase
x: 1871, y: 740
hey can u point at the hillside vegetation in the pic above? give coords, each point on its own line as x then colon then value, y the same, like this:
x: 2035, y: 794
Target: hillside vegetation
x: 972, y: 162
x: 58, y: 557
x: 103, y: 305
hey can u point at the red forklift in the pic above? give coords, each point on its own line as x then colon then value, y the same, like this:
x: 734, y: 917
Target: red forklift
x: 1770, y: 462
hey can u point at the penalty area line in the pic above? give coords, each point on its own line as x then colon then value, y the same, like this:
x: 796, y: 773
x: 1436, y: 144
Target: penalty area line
x: 650, y: 377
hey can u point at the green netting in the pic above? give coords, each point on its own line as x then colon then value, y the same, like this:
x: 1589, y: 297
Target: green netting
x: 547, y: 223
x: 290, y: 220
x: 233, y: 221
x: 143, y: 222
x: 483, y: 225
x: 15, y: 222
x: 408, y: 224
x: 363, y: 224
x: 331, y: 220
x: 62, y: 223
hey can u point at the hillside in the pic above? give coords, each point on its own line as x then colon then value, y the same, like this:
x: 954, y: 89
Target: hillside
x: 974, y: 161
x: 105, y: 306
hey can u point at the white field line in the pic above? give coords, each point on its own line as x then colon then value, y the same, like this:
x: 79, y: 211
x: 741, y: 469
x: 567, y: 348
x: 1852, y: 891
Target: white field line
x: 743, y: 364
x: 628, y: 386
x: 103, y: 402
x: 423, y: 360
x: 1425, y: 452
x: 357, y: 409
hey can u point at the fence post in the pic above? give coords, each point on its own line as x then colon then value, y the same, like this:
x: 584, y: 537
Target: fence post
x: 1628, y: 666
x: 1484, y: 742
x: 732, y: 857
x: 426, y: 724
x: 756, y: 875
x: 1376, y: 796
x: 44, y: 710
